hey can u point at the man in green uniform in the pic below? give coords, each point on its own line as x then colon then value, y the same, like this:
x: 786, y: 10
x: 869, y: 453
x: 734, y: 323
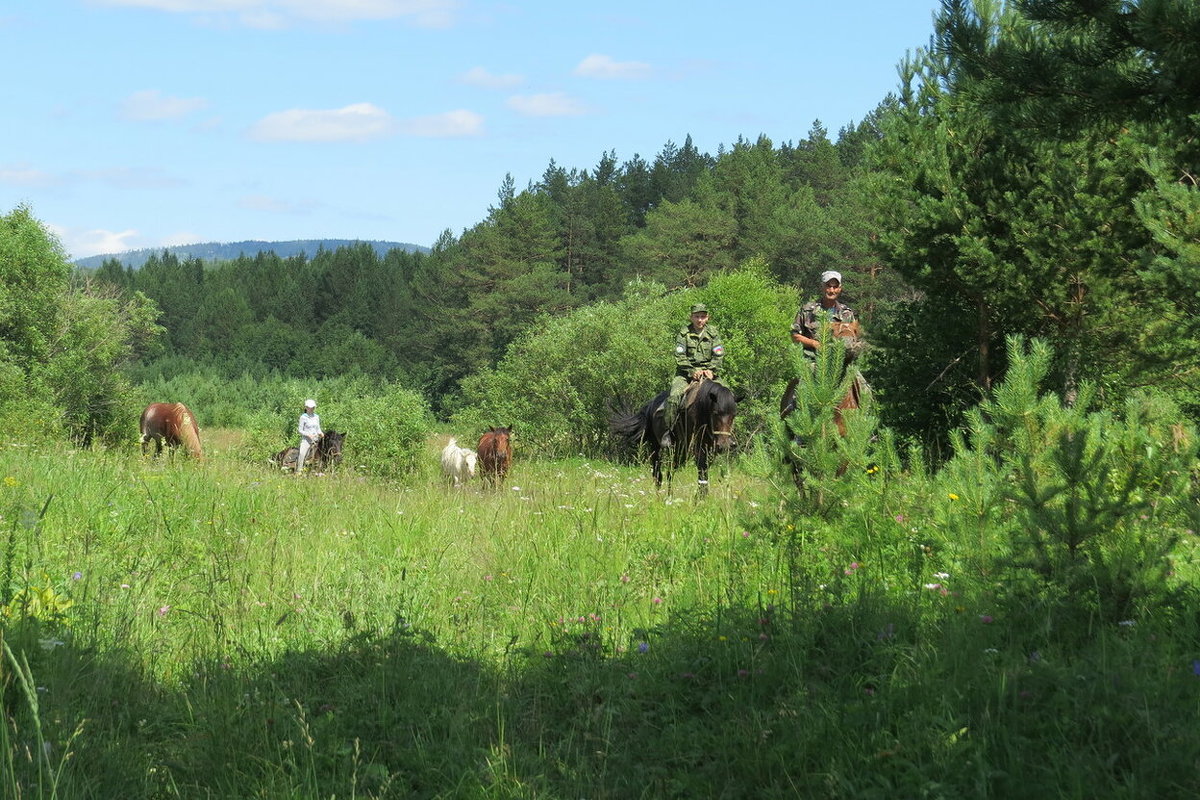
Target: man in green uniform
x: 698, y: 354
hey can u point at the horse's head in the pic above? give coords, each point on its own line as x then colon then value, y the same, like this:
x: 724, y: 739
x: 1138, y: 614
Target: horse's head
x: 331, y: 446
x: 718, y: 412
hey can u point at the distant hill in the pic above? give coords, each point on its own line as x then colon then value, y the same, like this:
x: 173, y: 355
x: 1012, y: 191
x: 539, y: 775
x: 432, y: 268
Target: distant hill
x: 222, y: 251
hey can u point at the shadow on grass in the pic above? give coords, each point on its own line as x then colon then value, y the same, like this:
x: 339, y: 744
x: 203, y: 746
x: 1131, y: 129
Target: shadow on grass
x: 854, y: 700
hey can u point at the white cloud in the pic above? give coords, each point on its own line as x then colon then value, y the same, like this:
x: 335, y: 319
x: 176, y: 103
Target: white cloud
x: 81, y: 244
x: 359, y: 122
x: 273, y: 205
x: 478, y: 76
x: 152, y: 105
x: 180, y: 238
x: 279, y: 13
x: 600, y: 66
x: 116, y: 177
x: 129, y: 178
x: 553, y: 104
x: 22, y: 175
x: 441, y: 126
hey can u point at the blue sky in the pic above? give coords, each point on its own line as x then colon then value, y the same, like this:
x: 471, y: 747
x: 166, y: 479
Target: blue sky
x: 148, y: 123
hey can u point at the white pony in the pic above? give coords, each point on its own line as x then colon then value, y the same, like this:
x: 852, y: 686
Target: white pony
x: 458, y: 462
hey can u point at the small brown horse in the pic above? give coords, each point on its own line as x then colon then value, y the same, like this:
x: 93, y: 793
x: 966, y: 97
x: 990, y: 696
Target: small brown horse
x: 172, y: 423
x: 495, y: 454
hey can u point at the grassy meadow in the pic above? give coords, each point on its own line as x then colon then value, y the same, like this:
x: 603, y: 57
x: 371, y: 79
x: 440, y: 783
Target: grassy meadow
x: 219, y: 629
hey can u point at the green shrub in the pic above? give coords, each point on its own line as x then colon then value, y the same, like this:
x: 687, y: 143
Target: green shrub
x: 1094, y: 501
x: 560, y: 382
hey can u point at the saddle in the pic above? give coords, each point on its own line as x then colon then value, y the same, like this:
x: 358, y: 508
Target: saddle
x: 688, y: 398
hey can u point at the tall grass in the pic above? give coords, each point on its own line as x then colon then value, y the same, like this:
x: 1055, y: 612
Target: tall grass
x: 220, y: 629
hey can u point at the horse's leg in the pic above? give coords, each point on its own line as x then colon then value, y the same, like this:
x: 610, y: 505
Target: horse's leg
x: 656, y: 463
x: 701, y: 469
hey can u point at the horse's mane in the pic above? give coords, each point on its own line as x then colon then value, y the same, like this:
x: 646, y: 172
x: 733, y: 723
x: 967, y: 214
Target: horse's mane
x: 189, y: 432
x: 716, y: 398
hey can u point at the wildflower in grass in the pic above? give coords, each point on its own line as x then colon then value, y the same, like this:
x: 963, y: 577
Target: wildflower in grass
x: 743, y: 673
x: 1196, y: 666
x: 1127, y: 623
x: 941, y: 575
x: 643, y: 647
x: 77, y: 576
x: 487, y: 577
x: 10, y: 481
x: 164, y: 610
x: 624, y: 579
x: 745, y: 534
x: 952, y: 496
x: 933, y: 586
x: 901, y: 518
x: 986, y: 619
x: 124, y: 585
x: 657, y: 601
x: 722, y: 638
x: 1036, y: 656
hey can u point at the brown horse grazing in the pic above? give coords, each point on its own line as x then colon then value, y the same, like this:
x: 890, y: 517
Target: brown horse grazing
x: 172, y: 423
x: 494, y: 453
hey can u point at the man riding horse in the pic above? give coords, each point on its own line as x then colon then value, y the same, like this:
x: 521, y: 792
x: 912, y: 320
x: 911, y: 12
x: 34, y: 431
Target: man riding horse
x: 698, y: 355
x: 844, y: 322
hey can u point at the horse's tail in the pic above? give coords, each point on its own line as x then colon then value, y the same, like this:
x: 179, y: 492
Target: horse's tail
x: 634, y: 426
x: 189, y: 432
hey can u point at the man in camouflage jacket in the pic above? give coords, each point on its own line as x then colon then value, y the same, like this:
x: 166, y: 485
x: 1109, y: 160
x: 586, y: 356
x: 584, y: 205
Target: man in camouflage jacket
x: 698, y: 354
x: 806, y: 327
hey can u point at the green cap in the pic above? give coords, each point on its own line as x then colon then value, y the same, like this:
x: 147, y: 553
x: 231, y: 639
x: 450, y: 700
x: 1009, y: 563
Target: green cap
x: 699, y: 308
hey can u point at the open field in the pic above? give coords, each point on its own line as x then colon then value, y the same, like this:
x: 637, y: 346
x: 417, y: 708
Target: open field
x: 220, y: 629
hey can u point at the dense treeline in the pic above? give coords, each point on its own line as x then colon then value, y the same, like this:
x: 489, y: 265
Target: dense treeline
x: 574, y: 238
x: 1034, y: 175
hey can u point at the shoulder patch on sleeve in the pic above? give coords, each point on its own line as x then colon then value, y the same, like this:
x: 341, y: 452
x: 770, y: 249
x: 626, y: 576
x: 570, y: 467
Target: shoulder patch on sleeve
x: 680, y: 348
x: 719, y: 350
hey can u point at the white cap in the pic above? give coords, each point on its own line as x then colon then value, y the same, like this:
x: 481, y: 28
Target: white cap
x: 830, y: 275
x: 310, y: 403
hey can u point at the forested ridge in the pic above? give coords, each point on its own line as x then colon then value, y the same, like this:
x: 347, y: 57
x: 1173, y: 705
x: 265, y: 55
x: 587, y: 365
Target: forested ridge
x: 225, y: 251
x: 1032, y: 175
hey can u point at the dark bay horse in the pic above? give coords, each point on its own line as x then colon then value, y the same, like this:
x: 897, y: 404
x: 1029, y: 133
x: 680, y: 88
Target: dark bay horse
x: 704, y: 426
x: 172, y: 423
x: 326, y: 453
x: 494, y: 453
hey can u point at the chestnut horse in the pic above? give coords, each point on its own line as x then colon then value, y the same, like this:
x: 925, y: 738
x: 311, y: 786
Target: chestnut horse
x: 171, y: 423
x: 494, y: 453
x: 853, y: 399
